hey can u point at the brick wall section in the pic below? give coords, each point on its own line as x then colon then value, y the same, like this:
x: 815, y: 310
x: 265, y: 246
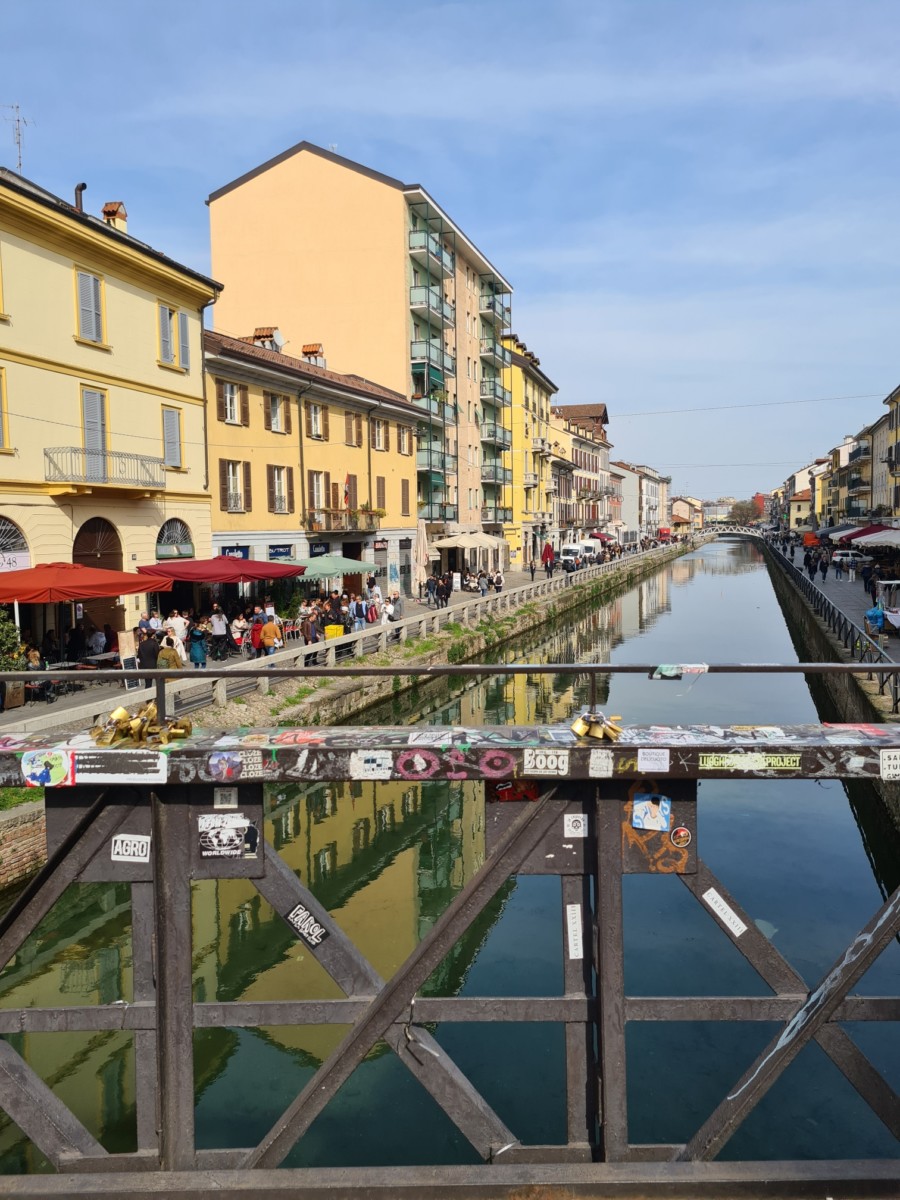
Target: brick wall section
x: 23, y: 842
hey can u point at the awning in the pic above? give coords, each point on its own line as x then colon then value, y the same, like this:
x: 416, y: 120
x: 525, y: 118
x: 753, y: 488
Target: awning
x: 224, y: 568
x: 852, y: 534
x: 887, y: 537
x: 329, y: 566
x: 603, y: 537
x: 836, y: 531
x: 50, y: 582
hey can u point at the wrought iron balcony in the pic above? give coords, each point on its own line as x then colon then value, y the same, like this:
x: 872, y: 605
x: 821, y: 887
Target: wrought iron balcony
x: 74, y: 464
x: 429, y: 301
x: 493, y: 391
x: 497, y: 435
x: 495, y: 473
x: 425, y: 248
x: 862, y: 452
x: 495, y: 308
x: 438, y: 511
x: 333, y: 520
x: 234, y: 502
x: 434, y: 355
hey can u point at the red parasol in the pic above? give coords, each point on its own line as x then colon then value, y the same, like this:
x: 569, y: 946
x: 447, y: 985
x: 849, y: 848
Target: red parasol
x: 50, y: 582
x: 547, y: 554
x: 225, y: 568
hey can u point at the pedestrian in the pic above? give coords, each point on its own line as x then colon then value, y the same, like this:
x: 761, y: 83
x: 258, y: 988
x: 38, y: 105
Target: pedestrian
x: 148, y: 653
x: 851, y: 570
x: 270, y: 635
x: 219, y: 627
x: 498, y: 582
x: 483, y: 583
x: 169, y: 659
x: 197, y: 645
x: 430, y: 590
x: 838, y: 569
x: 823, y: 567
x: 531, y: 568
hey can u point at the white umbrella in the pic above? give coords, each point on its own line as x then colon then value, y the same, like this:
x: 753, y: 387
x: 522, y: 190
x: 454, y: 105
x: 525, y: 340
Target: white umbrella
x: 885, y: 537
x: 421, y: 556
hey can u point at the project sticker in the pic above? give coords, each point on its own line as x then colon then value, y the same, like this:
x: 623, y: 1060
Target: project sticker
x: 574, y: 825
x: 545, y: 762
x: 227, y: 835
x: 47, y: 768
x: 573, y: 931
x: 306, y: 926
x: 600, y: 764
x: 371, y: 764
x: 651, y: 811
x: 724, y: 912
x: 749, y: 762
x: 651, y: 759
x: 890, y: 764
x: 130, y: 847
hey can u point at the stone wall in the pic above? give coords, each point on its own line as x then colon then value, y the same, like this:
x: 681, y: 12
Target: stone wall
x: 23, y: 842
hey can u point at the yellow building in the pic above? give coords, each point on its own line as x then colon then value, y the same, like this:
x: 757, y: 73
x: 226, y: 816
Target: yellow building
x: 305, y: 461
x: 377, y: 272
x: 531, y: 393
x: 102, y: 445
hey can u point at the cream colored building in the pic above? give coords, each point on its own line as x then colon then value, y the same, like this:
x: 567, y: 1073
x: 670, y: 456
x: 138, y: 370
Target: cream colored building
x: 102, y: 442
x: 377, y: 273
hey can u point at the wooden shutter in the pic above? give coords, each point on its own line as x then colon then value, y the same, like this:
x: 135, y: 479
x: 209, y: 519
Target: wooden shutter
x: 311, y: 497
x: 348, y: 429
x: 184, y: 342
x: 404, y: 497
x: 270, y: 487
x: 351, y: 491
x: 166, y: 350
x: 172, y: 437
x: 324, y: 423
x: 379, y: 492
x: 220, y: 400
x: 286, y: 409
x: 326, y: 499
x: 223, y: 484
x: 267, y: 411
x: 372, y: 433
x: 336, y: 495
x: 308, y: 421
x: 387, y: 435
x: 245, y: 405
x: 359, y: 440
x: 289, y: 471
x: 248, y: 488
x: 90, y: 317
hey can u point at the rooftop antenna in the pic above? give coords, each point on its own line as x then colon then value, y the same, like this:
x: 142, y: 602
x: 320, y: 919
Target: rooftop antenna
x: 18, y: 122
x: 332, y: 146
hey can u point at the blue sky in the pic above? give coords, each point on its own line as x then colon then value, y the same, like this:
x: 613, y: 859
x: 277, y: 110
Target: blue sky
x: 696, y: 201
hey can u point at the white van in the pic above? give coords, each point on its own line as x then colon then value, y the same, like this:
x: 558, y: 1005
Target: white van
x: 578, y: 552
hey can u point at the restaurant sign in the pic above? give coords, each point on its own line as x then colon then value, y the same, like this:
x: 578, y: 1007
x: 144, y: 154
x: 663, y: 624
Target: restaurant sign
x: 236, y: 551
x: 318, y: 548
x: 282, y: 551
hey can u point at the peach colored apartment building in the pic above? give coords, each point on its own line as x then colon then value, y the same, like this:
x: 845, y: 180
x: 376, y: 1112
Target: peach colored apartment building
x: 375, y: 271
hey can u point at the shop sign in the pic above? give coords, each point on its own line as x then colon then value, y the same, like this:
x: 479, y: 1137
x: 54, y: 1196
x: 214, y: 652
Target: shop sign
x: 317, y: 548
x: 381, y: 544
x: 406, y: 543
x: 174, y: 549
x: 284, y: 551
x: 236, y: 551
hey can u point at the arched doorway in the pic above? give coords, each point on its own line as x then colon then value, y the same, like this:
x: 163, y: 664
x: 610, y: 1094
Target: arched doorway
x: 175, y: 540
x: 97, y: 544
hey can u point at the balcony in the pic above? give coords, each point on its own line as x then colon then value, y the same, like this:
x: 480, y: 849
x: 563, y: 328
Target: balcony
x: 436, y: 511
x: 495, y: 515
x: 279, y: 504
x: 234, y: 502
x: 541, y: 446
x: 74, y: 464
x: 530, y: 479
x: 497, y: 436
x: 862, y: 453
x: 436, y: 460
x: 493, y: 392
x: 426, y: 249
x: 856, y: 486
x: 492, y: 351
x: 436, y: 409
x: 495, y: 309
x: 551, y: 489
x: 428, y: 303
x: 337, y: 520
x: 432, y: 354
x: 495, y: 473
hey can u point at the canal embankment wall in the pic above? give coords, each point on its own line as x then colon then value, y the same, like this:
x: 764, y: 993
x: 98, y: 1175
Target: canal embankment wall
x: 857, y: 699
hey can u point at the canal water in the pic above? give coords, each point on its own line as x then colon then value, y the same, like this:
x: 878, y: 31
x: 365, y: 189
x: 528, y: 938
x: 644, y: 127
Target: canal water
x: 809, y: 861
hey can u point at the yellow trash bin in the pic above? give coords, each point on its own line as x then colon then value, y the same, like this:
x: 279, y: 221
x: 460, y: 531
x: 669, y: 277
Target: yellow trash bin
x: 333, y: 631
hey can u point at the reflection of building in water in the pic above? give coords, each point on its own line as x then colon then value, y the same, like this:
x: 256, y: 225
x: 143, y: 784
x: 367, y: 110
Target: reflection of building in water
x: 79, y: 955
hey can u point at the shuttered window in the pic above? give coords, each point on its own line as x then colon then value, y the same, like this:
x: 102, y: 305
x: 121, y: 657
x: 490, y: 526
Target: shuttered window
x: 166, y: 341
x: 379, y: 492
x: 349, y: 430
x: 184, y: 344
x: 174, y: 337
x: 359, y: 440
x: 352, y: 493
x: 93, y: 418
x: 90, y: 309
x: 404, y: 497
x: 172, y: 437
x: 248, y: 493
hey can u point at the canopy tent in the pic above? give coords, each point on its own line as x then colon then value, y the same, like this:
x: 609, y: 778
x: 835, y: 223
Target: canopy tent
x: 51, y: 582
x: 470, y: 541
x: 224, y: 568
x: 603, y: 537
x: 326, y: 566
x: 887, y: 537
x: 836, y: 531
x: 853, y: 534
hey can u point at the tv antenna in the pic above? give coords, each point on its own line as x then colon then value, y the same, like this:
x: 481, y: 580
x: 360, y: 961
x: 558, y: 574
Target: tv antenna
x: 18, y: 122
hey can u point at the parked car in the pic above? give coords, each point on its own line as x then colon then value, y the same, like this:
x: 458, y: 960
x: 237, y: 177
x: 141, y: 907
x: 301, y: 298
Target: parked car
x: 846, y: 557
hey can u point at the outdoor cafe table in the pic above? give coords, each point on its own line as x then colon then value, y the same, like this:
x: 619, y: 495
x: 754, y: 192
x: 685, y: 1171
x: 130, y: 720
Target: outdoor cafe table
x: 99, y: 660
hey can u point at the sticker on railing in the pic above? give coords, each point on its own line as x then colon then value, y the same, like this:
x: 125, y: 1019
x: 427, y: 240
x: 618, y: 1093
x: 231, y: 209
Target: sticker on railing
x: 889, y: 764
x: 48, y: 768
x: 574, y: 825
x: 120, y: 766
x: 600, y: 764
x: 652, y: 759
x: 306, y: 926
x: 545, y: 762
x: 724, y: 912
x: 573, y: 931
x: 651, y: 811
x: 225, y: 797
x: 749, y: 762
x: 681, y: 837
x: 371, y: 764
x: 130, y: 847
x: 227, y: 835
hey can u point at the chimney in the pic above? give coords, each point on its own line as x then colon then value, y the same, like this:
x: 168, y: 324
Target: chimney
x: 79, y: 201
x: 114, y: 214
x: 314, y: 352
x: 269, y: 337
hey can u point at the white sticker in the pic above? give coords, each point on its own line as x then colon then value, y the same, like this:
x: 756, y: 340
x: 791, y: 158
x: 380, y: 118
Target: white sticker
x: 225, y: 797
x: 252, y: 766
x: 574, y: 825
x: 130, y: 847
x: 653, y: 760
x: 573, y: 930
x: 890, y: 764
x: 121, y: 766
x: 371, y: 764
x: 600, y: 765
x: 545, y: 762
x: 726, y: 914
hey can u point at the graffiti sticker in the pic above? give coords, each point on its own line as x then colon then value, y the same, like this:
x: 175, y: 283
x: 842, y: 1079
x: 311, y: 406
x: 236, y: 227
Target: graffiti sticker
x: 545, y: 762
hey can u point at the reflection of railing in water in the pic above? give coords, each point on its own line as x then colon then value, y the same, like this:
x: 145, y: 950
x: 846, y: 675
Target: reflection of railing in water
x: 584, y: 785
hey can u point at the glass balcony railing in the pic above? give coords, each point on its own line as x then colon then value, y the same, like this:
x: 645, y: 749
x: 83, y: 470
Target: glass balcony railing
x: 433, y: 354
x: 495, y: 515
x: 496, y: 353
x: 430, y: 301
x: 497, y: 435
x: 495, y: 308
x: 433, y: 459
x: 437, y: 409
x: 437, y: 511
x: 425, y: 247
x: 493, y: 391
x: 495, y: 473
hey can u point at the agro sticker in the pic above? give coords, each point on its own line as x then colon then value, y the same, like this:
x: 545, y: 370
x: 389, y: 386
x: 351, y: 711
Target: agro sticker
x: 545, y: 762
x: 680, y: 837
x: 130, y: 847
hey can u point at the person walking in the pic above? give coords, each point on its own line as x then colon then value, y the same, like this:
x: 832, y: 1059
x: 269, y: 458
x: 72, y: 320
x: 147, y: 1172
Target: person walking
x: 197, y: 645
x: 498, y: 581
x: 823, y: 567
x: 851, y: 571
x: 169, y: 659
x: 219, y: 626
x: 531, y: 568
x: 838, y: 570
x: 430, y: 590
x: 148, y: 654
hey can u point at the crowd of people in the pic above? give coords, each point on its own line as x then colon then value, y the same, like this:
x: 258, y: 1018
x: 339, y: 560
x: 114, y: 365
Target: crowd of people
x: 819, y: 560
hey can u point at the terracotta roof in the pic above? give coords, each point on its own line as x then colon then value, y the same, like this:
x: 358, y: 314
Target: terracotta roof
x: 239, y: 348
x: 582, y: 412
x: 804, y: 495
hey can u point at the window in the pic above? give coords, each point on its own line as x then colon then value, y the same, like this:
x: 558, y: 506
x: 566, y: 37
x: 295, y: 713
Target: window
x: 235, y: 494
x: 379, y: 492
x: 353, y: 429
x: 404, y: 439
x: 319, y: 484
x: 317, y: 422
x: 380, y: 434
x: 90, y: 307
x: 93, y: 422
x: 172, y: 437
x: 276, y: 412
x: 404, y: 497
x: 174, y: 338
x: 280, y: 487
x: 232, y: 403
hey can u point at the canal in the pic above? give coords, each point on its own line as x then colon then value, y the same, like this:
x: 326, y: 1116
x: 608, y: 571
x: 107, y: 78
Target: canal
x: 809, y: 861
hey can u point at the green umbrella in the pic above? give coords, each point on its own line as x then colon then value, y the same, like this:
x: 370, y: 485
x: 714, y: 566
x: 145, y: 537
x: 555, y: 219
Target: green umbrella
x: 325, y: 566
